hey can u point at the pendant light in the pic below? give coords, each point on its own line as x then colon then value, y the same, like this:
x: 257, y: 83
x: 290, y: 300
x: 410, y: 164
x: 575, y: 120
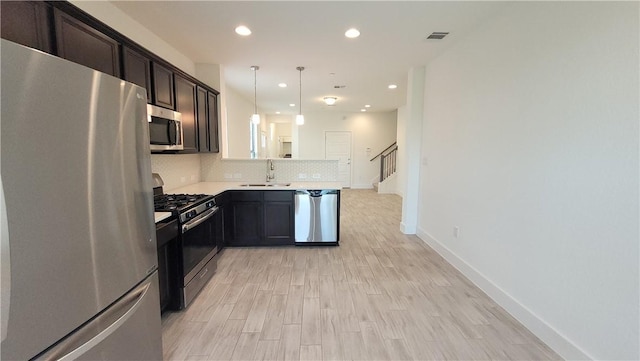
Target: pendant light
x: 255, y: 118
x: 300, y: 117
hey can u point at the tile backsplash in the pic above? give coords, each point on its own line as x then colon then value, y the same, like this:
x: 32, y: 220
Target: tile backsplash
x: 178, y: 170
x: 215, y: 169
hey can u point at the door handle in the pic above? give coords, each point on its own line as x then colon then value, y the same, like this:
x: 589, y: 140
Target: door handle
x: 197, y: 221
x: 99, y: 328
x: 5, y: 259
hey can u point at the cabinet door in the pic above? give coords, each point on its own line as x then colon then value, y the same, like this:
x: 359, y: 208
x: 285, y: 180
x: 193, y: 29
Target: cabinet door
x: 203, y: 121
x: 186, y: 105
x: 219, y: 229
x: 162, y: 82
x: 278, y: 218
x: 26, y: 23
x: 212, y: 103
x: 82, y: 44
x: 246, y: 223
x: 137, y: 69
x: 278, y: 223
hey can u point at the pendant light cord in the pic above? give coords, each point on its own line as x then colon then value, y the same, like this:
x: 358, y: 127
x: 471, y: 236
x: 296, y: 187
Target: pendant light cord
x: 300, y: 69
x: 255, y: 89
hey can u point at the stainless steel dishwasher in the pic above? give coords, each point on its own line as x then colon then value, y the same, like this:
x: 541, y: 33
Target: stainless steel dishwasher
x: 317, y: 216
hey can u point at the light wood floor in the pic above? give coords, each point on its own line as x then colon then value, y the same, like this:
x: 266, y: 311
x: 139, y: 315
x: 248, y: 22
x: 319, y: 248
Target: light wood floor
x: 381, y: 295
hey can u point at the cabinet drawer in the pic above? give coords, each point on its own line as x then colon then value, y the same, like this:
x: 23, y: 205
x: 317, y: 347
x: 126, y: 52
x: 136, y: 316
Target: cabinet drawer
x: 246, y: 196
x: 278, y: 196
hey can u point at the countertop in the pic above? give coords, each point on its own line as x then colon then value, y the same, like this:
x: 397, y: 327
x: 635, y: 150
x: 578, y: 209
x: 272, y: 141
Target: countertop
x: 160, y: 216
x: 215, y: 188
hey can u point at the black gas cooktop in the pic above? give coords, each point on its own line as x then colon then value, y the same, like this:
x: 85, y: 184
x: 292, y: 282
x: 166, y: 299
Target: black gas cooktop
x: 178, y: 202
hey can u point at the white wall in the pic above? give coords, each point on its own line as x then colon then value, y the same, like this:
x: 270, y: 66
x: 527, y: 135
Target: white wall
x: 402, y: 152
x: 531, y: 131
x: 239, y: 112
x: 368, y: 130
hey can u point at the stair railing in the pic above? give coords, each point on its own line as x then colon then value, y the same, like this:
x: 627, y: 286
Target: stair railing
x: 388, y: 161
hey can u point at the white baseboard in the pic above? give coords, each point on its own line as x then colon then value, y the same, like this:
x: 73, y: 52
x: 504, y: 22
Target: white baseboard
x: 554, y: 339
x: 407, y: 229
x: 362, y: 186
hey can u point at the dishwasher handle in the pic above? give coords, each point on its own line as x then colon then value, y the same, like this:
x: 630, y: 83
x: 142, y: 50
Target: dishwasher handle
x: 316, y: 192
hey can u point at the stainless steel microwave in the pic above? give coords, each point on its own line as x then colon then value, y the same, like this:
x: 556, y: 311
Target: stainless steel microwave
x: 165, y: 129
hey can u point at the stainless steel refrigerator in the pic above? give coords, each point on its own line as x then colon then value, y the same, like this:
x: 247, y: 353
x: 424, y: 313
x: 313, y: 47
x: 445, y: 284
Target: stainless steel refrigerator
x: 79, y: 263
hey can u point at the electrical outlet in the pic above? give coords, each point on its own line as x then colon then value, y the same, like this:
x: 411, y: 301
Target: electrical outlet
x: 456, y: 232
x: 183, y: 179
x: 302, y: 175
x: 193, y: 177
x: 237, y: 175
x: 316, y: 175
x: 228, y: 176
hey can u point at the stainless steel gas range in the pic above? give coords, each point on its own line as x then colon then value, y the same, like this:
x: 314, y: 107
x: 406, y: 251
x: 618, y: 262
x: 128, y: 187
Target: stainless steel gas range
x: 199, y: 223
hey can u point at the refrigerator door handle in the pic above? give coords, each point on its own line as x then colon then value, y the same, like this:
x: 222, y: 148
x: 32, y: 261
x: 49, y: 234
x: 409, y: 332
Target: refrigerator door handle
x: 5, y: 264
x: 98, y: 329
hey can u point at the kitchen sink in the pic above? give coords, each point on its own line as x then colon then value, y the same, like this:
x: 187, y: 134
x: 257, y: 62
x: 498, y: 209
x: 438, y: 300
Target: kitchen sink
x: 265, y: 185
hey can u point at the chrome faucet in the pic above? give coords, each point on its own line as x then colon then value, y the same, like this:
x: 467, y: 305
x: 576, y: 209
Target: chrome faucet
x: 270, y: 171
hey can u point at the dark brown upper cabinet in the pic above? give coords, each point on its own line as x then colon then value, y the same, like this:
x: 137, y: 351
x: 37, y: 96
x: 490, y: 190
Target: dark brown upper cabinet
x: 214, y: 141
x: 203, y: 120
x: 163, y: 86
x: 82, y: 44
x: 26, y: 23
x: 186, y: 105
x: 207, y: 121
x: 137, y: 69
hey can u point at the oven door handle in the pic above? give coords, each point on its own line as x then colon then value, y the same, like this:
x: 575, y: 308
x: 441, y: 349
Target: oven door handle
x: 199, y: 219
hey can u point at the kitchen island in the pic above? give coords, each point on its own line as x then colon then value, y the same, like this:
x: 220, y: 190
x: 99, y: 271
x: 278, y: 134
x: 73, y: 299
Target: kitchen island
x: 265, y: 214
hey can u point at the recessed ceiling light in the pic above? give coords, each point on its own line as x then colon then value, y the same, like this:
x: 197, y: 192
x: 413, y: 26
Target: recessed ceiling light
x: 392, y: 86
x: 363, y: 110
x: 367, y: 106
x: 292, y: 105
x: 243, y: 30
x: 352, y: 33
x: 277, y: 112
x: 282, y: 85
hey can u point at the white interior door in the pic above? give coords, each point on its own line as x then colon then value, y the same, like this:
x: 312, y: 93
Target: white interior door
x: 337, y: 145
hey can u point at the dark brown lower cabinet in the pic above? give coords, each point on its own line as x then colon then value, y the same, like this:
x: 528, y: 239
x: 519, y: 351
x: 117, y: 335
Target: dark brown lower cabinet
x: 278, y: 218
x: 260, y: 218
x: 167, y: 238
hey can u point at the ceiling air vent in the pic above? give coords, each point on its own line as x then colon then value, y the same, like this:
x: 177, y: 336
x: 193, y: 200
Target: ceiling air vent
x: 437, y: 35
x: 339, y: 86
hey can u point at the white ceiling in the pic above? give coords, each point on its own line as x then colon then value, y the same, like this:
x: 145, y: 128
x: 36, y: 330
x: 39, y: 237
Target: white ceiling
x: 311, y: 34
